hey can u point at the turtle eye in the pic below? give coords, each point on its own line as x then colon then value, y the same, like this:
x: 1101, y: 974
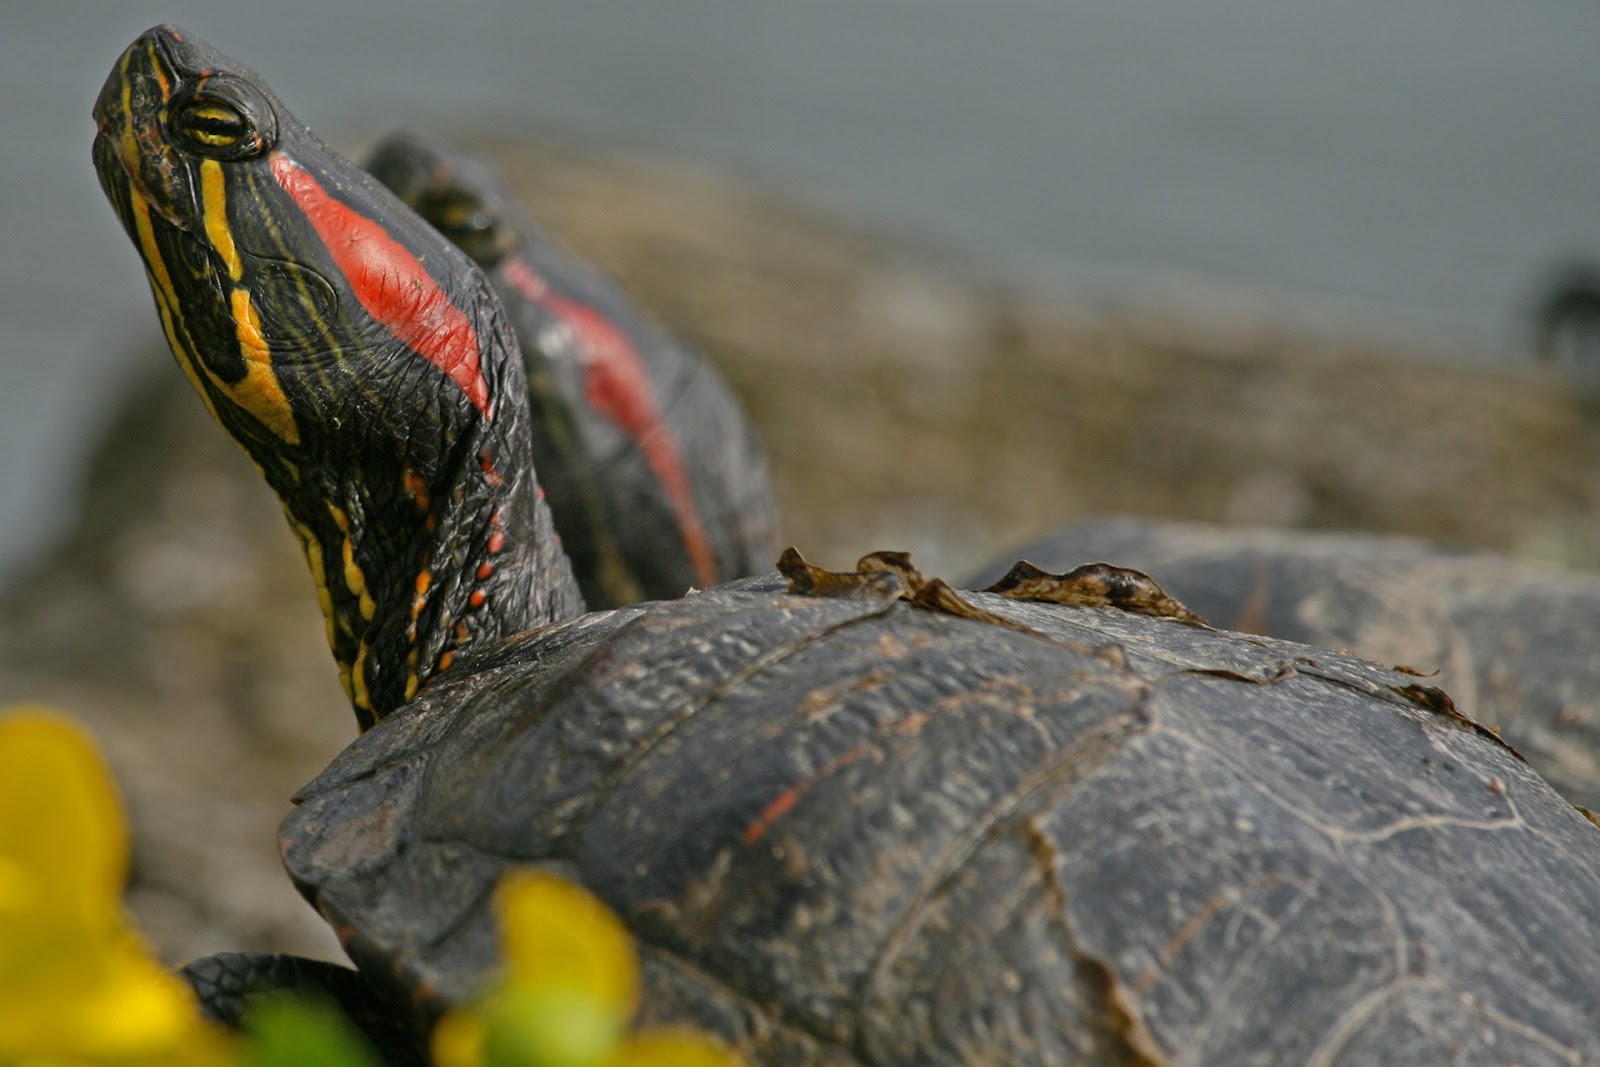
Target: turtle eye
x: 468, y: 223
x: 457, y: 216
x: 212, y: 127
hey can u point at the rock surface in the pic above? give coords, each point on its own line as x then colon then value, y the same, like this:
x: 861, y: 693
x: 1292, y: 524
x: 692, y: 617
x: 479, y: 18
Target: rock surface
x: 909, y: 400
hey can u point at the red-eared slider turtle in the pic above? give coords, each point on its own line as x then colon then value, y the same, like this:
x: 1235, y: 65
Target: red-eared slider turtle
x: 656, y: 479
x: 1513, y: 643
x: 852, y: 818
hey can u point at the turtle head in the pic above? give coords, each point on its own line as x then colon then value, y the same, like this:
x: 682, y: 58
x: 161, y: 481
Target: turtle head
x: 283, y: 272
x: 171, y: 101
x: 360, y: 360
x: 462, y: 196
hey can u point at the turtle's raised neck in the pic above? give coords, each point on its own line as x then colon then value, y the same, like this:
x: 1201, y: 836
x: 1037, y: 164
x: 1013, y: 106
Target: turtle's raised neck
x: 361, y: 361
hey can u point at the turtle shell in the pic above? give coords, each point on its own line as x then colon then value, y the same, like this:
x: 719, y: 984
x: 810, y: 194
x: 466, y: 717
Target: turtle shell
x: 848, y: 830
x: 1512, y: 642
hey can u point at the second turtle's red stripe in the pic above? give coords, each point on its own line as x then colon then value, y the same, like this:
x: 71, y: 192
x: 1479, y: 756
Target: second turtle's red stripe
x: 618, y: 388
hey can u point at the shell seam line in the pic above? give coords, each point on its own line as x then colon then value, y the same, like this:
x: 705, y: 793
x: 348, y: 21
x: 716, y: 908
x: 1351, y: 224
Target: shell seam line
x: 1112, y: 736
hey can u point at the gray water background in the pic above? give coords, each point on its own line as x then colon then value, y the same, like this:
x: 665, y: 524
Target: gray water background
x: 1416, y: 162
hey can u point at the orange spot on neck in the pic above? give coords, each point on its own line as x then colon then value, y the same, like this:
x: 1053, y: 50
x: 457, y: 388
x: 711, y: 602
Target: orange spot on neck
x: 418, y: 490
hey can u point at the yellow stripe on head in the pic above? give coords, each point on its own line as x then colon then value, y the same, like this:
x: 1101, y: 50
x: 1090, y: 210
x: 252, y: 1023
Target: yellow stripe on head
x: 214, y: 198
x: 155, y: 265
x: 130, y: 141
x: 166, y: 296
x: 258, y: 392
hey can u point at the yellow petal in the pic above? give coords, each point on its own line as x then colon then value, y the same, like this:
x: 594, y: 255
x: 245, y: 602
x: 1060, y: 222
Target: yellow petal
x: 674, y: 1046
x: 136, y: 1004
x: 127, y: 1007
x: 77, y: 985
x: 458, y: 1039
x: 63, y: 846
x: 555, y: 934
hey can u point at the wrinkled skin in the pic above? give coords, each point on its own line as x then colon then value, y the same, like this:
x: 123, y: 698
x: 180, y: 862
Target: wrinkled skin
x: 1514, y: 643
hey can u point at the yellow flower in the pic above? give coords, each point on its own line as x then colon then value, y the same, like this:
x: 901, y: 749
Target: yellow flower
x: 77, y: 986
x: 570, y: 988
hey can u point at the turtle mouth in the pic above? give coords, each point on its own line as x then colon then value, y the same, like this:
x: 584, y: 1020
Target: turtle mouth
x: 122, y: 183
x: 130, y: 143
x: 121, y: 188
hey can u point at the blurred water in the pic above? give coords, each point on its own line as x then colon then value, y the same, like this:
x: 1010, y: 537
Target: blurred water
x: 1420, y: 161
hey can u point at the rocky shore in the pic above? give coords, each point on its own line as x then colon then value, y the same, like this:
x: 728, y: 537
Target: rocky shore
x: 909, y: 398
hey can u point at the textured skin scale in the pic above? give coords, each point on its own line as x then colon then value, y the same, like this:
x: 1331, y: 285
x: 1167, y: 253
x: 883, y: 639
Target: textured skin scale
x: 848, y: 829
x: 225, y: 982
x: 1513, y: 643
x: 609, y: 477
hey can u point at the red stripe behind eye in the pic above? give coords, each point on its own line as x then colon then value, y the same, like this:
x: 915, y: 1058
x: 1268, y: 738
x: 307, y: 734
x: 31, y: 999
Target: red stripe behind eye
x: 389, y: 282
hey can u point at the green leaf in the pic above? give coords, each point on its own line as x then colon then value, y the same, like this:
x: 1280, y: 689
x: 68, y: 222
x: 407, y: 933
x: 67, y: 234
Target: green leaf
x: 286, y: 1031
x: 534, y: 1027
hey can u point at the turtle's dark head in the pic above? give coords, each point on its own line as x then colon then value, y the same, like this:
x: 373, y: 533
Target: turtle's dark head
x: 462, y: 196
x: 282, y: 271
x: 360, y: 360
x: 169, y: 103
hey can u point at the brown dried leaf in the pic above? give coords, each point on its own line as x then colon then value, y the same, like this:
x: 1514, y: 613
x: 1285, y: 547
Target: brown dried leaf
x: 1283, y: 671
x: 891, y: 562
x: 1095, y: 585
x: 883, y: 574
x: 938, y: 595
x: 1415, y: 672
x: 808, y: 579
x: 1437, y: 700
